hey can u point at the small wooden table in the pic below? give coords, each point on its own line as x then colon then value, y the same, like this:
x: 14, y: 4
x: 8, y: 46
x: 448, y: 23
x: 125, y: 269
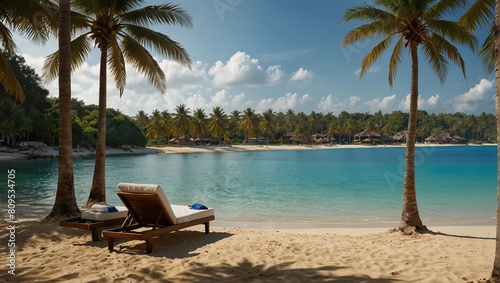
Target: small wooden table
x: 93, y: 225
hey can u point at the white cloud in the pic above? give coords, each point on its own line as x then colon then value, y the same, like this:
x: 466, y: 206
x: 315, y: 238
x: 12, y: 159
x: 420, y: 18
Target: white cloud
x: 332, y: 104
x: 241, y: 70
x: 386, y: 104
x: 283, y: 103
x: 302, y: 76
x: 423, y: 104
x: 371, y: 70
x: 229, y: 102
x: 481, y: 95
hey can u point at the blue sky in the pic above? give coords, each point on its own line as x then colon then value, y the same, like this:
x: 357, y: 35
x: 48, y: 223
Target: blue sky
x: 278, y: 54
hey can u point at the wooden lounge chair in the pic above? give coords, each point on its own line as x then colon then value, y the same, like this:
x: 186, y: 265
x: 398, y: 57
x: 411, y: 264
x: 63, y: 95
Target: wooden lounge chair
x: 93, y: 221
x: 151, y: 215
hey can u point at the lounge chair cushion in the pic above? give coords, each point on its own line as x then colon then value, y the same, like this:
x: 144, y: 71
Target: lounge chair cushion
x: 150, y: 189
x: 184, y: 214
x: 103, y: 216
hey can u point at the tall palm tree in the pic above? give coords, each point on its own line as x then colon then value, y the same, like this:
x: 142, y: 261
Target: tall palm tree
x: 181, y: 120
x: 165, y: 123
x: 234, y: 122
x: 266, y: 125
x: 199, y: 122
x: 486, y: 13
x: 141, y: 119
x: 248, y: 122
x: 154, y: 129
x: 120, y: 30
x: 218, y: 122
x: 332, y: 130
x: 412, y: 24
x: 289, y: 118
x: 65, y: 203
x: 20, y: 16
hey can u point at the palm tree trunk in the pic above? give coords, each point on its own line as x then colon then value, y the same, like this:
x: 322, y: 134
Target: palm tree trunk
x: 98, y: 190
x: 65, y: 202
x: 410, y: 216
x: 495, y: 275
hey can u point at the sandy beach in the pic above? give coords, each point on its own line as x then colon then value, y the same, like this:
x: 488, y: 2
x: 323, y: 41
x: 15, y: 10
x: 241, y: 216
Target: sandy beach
x: 52, y: 151
x: 250, y: 252
x: 46, y: 252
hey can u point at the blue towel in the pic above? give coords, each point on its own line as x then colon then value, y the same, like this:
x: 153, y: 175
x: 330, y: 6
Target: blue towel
x: 103, y: 208
x: 198, y: 206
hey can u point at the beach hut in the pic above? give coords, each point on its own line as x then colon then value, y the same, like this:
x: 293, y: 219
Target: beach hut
x: 368, y: 137
x: 319, y: 138
x: 387, y: 139
x: 181, y: 140
x: 287, y: 138
x: 435, y: 140
x: 400, y: 137
x: 458, y: 139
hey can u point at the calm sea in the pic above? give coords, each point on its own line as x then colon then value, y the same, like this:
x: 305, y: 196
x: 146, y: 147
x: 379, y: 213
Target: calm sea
x: 454, y: 184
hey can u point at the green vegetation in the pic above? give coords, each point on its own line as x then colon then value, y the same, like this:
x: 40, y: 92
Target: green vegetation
x: 38, y: 117
x: 271, y: 125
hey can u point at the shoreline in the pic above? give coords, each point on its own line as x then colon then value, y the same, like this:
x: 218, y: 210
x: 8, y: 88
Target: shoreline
x: 52, y: 151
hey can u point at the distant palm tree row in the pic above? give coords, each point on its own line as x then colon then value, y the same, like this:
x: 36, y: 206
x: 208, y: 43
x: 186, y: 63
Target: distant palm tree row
x: 239, y: 126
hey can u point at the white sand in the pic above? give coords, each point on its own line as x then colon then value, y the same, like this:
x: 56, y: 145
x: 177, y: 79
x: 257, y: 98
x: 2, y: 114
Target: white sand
x: 49, y: 253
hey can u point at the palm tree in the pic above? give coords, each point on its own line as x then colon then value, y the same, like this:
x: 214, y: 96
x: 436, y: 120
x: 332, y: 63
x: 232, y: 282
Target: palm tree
x: 199, y: 122
x: 299, y: 132
x: 154, y: 129
x: 413, y: 24
x: 181, y: 120
x: 165, y: 123
x: 332, y: 130
x: 248, y: 122
x: 289, y: 117
x: 234, y: 122
x: 20, y: 16
x: 120, y: 30
x: 142, y: 119
x: 266, y: 125
x: 218, y: 122
x: 481, y: 14
x: 65, y: 203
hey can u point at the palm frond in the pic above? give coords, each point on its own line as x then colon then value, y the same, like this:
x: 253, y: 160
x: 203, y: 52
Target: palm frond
x: 454, y: 32
x: 487, y: 52
x: 375, y: 54
x: 436, y: 59
x: 116, y: 64
x: 445, y: 8
x: 394, y: 6
x: 160, y: 43
x: 480, y: 14
x: 396, y: 59
x: 367, y: 12
x: 9, y: 81
x: 6, y: 40
x: 369, y: 30
x: 81, y: 47
x: 160, y: 14
x: 34, y: 19
x: 142, y: 60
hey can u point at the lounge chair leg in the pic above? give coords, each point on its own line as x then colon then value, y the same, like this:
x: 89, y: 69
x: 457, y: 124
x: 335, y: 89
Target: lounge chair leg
x: 111, y: 244
x: 207, y: 227
x: 149, y: 246
x: 95, y: 235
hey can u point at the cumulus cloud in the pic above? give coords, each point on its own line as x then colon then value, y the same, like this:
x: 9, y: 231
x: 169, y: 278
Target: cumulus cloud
x: 283, y: 103
x: 229, y: 102
x: 481, y: 95
x: 242, y: 70
x: 386, y: 104
x: 423, y: 104
x: 302, y: 76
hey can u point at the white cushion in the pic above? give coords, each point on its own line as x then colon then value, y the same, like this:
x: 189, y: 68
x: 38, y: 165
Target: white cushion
x: 185, y: 214
x: 103, y: 216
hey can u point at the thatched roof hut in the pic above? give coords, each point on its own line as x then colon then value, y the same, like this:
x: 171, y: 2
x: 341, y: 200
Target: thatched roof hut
x: 400, y: 136
x: 368, y: 136
x: 435, y: 140
x: 319, y: 138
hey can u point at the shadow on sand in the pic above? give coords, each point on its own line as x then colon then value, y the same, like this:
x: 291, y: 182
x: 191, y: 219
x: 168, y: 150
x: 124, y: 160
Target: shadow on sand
x: 245, y: 271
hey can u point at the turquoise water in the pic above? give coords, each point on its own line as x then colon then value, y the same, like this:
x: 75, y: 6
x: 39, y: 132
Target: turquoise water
x: 322, y: 186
